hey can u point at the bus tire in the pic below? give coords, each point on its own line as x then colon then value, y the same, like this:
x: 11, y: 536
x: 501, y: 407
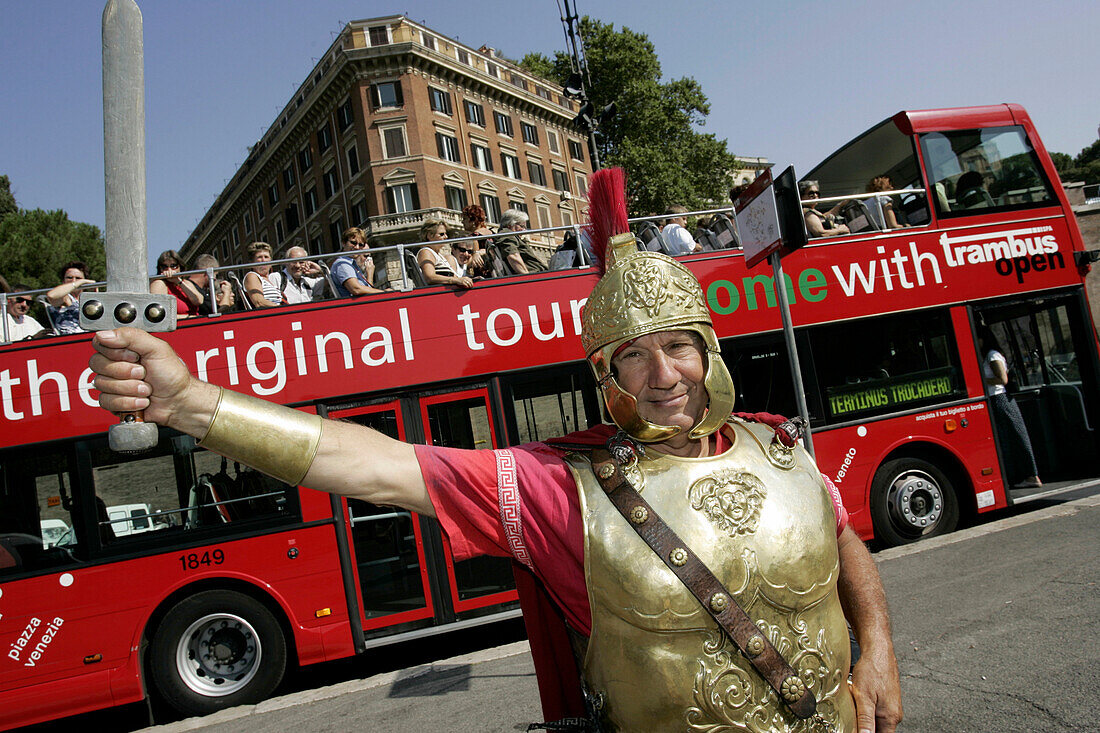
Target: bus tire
x: 215, y: 650
x: 912, y: 499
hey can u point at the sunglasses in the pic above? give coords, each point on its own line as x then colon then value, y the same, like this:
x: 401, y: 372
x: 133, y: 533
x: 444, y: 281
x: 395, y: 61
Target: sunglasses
x: 464, y: 249
x: 22, y: 300
x: 813, y: 193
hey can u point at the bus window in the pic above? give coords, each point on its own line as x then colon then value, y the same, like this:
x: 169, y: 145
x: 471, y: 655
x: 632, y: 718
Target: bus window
x: 982, y: 171
x: 36, y: 517
x: 888, y: 364
x: 874, y: 182
x: 177, y: 488
x: 553, y: 403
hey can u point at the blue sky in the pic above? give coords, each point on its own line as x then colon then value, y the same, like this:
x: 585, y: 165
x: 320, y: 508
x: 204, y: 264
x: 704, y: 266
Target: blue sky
x: 791, y: 81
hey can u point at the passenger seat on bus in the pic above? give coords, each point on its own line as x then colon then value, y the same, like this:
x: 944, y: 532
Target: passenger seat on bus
x: 650, y: 239
x: 725, y: 233
x: 412, y: 267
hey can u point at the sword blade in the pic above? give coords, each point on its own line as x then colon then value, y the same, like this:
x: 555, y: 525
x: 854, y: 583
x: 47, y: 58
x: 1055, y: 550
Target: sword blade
x: 124, y: 147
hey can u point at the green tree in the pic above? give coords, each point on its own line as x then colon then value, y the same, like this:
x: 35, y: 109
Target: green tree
x: 1085, y: 167
x: 654, y: 134
x: 7, y: 200
x: 34, y: 244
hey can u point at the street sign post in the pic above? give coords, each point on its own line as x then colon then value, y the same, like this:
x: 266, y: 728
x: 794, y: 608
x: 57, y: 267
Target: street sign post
x: 769, y: 221
x: 127, y: 301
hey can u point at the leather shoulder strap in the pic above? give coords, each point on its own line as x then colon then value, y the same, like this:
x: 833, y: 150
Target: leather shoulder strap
x: 703, y: 584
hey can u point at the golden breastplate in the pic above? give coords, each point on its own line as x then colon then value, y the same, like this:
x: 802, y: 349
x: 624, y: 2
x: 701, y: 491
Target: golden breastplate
x: 765, y: 526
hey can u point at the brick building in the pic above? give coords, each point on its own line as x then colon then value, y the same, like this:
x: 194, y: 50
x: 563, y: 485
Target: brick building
x: 396, y: 123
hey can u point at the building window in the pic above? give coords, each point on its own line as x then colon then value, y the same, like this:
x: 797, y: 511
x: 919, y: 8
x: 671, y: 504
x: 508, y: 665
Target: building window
x: 518, y: 81
x: 330, y: 182
x: 567, y: 217
x: 491, y: 68
x: 292, y: 219
x: 576, y: 150
x: 310, y: 200
x: 401, y: 199
x: 462, y: 56
x: 491, y: 204
x: 344, y: 115
x: 441, y: 101
x: 582, y: 183
x: 530, y: 133
x: 561, y: 179
x: 544, y: 93
x: 537, y: 174
x: 359, y: 212
x: 456, y: 198
x: 427, y: 41
x: 335, y: 232
x: 379, y: 35
x: 479, y: 154
x: 235, y: 236
x: 305, y: 159
x: 352, y: 155
x: 288, y: 178
x: 475, y: 113
x: 324, y: 138
x: 393, y: 142
x: 543, y: 213
x: 317, y: 244
x: 552, y: 142
x: 259, y: 209
x: 247, y: 222
x: 278, y: 231
x: 273, y: 194
x: 503, y: 123
x: 517, y: 205
x: 509, y: 165
x: 386, y: 94
x: 448, y: 147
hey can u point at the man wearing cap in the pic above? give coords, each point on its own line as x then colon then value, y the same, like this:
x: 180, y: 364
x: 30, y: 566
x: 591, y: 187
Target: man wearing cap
x: 735, y: 495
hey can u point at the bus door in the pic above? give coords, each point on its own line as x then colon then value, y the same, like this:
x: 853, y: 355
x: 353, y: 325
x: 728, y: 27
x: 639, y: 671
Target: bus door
x: 463, y: 420
x: 388, y: 542
x: 1047, y: 344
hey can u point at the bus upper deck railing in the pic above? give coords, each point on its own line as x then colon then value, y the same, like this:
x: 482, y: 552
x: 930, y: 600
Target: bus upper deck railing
x: 234, y: 273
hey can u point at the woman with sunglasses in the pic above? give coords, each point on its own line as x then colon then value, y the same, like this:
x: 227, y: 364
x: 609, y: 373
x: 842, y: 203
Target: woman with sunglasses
x: 819, y: 224
x: 438, y: 268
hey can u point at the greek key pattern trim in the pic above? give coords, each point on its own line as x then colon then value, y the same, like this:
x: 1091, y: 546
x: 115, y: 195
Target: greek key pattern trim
x: 509, y: 503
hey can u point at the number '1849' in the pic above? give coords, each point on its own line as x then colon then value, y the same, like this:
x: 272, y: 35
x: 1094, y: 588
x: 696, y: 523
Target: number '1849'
x: 194, y: 561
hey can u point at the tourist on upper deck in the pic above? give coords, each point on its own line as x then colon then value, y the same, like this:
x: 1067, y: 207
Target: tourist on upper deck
x: 819, y: 224
x: 889, y: 219
x: 473, y: 223
x: 226, y: 298
x: 353, y: 273
x: 21, y: 325
x: 261, y: 285
x: 188, y: 296
x: 677, y: 238
x: 517, y: 251
x: 438, y: 268
x: 64, y: 300
x: 301, y: 281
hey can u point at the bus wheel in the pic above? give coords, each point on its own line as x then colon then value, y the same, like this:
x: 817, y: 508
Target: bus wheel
x: 215, y: 650
x: 912, y: 499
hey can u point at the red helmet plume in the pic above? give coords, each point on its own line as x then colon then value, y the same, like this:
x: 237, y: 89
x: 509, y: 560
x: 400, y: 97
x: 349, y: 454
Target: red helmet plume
x: 606, y: 210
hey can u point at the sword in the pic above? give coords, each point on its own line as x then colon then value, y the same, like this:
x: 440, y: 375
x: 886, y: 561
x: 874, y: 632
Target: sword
x: 127, y: 301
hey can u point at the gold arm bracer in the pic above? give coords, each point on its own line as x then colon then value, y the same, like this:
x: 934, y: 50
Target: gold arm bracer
x: 279, y: 441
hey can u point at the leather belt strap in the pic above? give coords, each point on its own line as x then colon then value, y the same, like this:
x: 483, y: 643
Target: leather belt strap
x: 702, y: 583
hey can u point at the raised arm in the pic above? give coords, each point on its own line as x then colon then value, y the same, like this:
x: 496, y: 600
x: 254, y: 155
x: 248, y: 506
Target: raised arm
x: 137, y: 371
x: 875, y: 684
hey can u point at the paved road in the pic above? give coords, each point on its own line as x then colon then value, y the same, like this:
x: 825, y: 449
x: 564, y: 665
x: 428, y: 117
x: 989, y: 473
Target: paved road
x: 995, y: 629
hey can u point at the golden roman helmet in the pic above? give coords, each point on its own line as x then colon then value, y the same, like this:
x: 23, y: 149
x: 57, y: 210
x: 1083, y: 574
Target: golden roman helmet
x: 642, y: 293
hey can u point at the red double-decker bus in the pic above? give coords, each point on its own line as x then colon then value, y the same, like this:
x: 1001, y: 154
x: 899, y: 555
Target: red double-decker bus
x: 177, y: 573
